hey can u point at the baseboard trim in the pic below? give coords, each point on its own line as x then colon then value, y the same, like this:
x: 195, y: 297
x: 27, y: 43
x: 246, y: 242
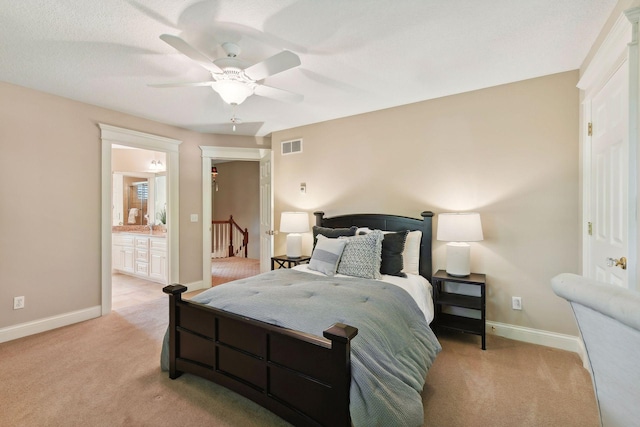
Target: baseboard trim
x: 42, y: 325
x: 518, y: 333
x: 194, y: 286
x: 537, y: 336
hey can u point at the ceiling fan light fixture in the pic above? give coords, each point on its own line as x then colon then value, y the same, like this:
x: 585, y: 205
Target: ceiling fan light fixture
x: 232, y: 92
x: 233, y: 79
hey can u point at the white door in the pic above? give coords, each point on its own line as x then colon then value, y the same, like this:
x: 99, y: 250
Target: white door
x: 266, y: 211
x: 609, y: 181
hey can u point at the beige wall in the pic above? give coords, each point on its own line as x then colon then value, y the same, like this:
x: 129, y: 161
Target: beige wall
x: 239, y: 195
x: 509, y: 152
x: 50, y: 248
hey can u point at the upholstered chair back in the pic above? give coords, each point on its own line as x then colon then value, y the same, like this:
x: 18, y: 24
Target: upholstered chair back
x: 609, y: 320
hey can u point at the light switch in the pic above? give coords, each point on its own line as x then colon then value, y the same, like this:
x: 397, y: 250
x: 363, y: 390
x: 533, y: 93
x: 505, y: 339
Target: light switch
x: 303, y: 188
x: 194, y: 217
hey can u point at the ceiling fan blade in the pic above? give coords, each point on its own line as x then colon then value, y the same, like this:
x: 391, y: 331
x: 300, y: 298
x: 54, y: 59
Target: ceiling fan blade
x: 279, y: 94
x: 186, y: 49
x: 186, y: 84
x: 272, y: 65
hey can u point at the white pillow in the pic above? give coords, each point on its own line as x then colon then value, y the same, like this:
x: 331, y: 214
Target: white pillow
x: 411, y: 253
x: 326, y: 255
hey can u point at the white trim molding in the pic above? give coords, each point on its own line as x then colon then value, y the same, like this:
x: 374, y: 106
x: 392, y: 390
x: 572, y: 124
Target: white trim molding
x: 609, y: 57
x: 146, y: 141
x: 42, y: 325
x: 195, y: 286
x: 137, y: 139
x: 540, y: 337
x: 233, y: 153
x: 218, y: 153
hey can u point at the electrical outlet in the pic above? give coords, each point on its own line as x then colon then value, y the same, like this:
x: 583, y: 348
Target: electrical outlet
x: 516, y: 303
x: 18, y: 303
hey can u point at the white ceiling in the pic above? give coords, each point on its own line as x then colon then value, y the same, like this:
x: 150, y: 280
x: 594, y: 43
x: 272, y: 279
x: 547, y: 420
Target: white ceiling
x: 357, y: 55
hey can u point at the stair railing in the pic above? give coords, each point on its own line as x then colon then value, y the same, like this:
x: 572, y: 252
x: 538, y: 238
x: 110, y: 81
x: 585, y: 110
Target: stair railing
x: 223, y: 236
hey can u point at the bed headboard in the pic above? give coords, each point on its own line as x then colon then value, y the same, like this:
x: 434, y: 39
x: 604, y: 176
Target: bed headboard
x: 389, y: 223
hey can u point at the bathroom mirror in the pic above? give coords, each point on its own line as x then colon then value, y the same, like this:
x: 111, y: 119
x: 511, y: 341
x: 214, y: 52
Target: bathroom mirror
x: 139, y: 186
x: 133, y: 198
x: 160, y: 199
x: 136, y: 200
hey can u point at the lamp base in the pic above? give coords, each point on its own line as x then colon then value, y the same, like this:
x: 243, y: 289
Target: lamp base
x: 294, y: 245
x: 458, y: 256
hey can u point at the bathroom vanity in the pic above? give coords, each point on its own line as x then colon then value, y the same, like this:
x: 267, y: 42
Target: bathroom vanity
x: 142, y: 255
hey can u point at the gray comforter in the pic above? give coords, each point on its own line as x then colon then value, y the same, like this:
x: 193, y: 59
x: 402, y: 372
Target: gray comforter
x: 390, y: 356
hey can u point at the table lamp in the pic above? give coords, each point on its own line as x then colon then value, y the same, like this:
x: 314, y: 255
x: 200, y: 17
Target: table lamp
x: 458, y: 229
x: 294, y: 223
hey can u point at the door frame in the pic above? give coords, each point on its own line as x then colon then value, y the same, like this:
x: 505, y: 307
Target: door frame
x: 116, y: 135
x: 219, y: 153
x: 619, y: 49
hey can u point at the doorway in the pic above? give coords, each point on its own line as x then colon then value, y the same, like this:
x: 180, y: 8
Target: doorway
x: 111, y: 135
x: 235, y: 207
x: 139, y: 203
x: 264, y: 156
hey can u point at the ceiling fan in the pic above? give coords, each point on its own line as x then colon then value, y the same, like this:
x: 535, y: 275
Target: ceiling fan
x: 233, y: 79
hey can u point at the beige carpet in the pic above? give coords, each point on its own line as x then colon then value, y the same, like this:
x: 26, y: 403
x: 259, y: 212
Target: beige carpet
x: 510, y: 384
x: 105, y: 372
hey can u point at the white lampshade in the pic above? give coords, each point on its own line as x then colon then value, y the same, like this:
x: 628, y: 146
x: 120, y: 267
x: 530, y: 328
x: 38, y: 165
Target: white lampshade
x: 459, y: 228
x: 294, y: 223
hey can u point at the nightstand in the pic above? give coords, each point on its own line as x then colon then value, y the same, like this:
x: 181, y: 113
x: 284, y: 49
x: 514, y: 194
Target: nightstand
x: 460, y: 303
x: 284, y: 261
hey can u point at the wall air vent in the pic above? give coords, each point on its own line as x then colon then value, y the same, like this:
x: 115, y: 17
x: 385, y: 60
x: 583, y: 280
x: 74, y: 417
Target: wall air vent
x: 292, y: 147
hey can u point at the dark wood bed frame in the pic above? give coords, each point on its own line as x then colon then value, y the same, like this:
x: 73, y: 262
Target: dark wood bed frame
x: 303, y: 378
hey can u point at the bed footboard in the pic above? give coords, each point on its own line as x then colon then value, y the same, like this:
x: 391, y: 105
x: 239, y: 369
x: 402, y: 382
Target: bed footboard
x: 302, y: 378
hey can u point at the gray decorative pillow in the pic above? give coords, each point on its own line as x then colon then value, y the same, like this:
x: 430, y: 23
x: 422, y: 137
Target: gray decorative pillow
x: 332, y: 232
x: 326, y: 255
x: 362, y: 255
x: 392, y: 248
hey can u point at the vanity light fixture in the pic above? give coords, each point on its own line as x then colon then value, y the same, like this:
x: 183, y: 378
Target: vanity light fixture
x: 156, y: 166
